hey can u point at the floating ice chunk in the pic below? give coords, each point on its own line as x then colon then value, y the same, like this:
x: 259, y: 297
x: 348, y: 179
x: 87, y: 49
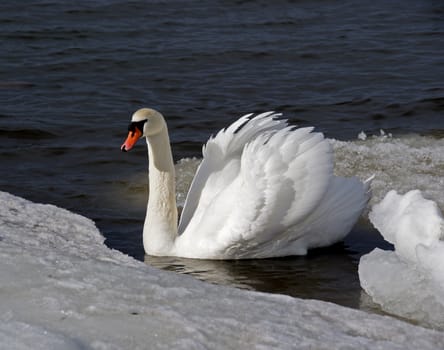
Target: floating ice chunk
x: 408, y: 221
x: 410, y: 280
x: 362, y: 136
x: 383, y: 134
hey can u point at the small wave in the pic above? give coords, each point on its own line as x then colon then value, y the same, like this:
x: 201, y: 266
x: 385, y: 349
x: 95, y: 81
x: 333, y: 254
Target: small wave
x: 437, y: 103
x: 354, y: 102
x: 420, y: 107
x: 28, y: 134
x: 16, y: 85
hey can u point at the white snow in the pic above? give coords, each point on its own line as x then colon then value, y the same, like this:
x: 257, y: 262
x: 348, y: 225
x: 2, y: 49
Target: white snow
x: 408, y: 281
x: 19, y: 335
x: 62, y: 288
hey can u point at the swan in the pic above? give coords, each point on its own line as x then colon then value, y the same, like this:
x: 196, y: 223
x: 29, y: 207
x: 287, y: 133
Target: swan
x: 263, y: 189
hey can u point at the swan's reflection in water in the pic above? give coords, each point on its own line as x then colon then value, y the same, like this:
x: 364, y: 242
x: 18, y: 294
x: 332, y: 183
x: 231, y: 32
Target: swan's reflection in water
x: 328, y: 274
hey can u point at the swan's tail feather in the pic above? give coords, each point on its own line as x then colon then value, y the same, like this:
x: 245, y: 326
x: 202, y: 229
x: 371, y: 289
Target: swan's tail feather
x: 345, y: 199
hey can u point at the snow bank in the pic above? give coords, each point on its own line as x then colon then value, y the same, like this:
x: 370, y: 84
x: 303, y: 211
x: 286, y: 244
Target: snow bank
x: 410, y: 280
x: 18, y: 336
x: 62, y: 288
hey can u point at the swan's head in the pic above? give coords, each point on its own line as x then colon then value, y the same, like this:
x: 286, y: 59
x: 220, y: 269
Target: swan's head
x: 144, y: 122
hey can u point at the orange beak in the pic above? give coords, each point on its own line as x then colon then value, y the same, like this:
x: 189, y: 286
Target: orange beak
x: 131, y: 140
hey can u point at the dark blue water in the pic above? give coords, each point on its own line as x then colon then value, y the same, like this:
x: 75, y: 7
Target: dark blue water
x: 72, y: 73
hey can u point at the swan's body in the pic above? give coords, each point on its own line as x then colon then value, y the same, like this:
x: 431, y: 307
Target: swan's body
x: 263, y: 189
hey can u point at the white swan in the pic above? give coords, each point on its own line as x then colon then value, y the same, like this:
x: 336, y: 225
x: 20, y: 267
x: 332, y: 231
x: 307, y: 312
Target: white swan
x: 263, y: 189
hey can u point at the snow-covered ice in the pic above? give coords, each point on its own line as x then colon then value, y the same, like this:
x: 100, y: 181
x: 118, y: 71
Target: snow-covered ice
x: 399, y: 163
x: 408, y: 281
x: 62, y: 288
x: 19, y: 335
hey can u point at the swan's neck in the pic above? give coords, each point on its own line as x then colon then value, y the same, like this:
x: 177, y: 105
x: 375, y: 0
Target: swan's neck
x: 160, y: 229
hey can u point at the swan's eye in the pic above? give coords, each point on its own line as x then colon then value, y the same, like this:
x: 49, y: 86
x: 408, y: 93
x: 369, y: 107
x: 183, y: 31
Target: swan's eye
x: 136, y: 125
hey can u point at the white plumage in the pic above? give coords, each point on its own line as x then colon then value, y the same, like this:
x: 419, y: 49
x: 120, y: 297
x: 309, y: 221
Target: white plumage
x: 263, y: 189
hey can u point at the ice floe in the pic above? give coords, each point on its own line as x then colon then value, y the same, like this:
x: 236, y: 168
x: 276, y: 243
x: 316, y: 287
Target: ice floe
x: 400, y: 163
x: 62, y: 288
x: 408, y: 281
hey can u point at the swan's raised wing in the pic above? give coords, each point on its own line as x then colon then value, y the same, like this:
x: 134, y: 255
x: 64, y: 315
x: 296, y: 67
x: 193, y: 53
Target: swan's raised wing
x: 219, y: 158
x: 252, y: 185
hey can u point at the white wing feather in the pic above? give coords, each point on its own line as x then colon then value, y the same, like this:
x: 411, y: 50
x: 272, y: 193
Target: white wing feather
x: 227, y: 145
x: 266, y: 189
